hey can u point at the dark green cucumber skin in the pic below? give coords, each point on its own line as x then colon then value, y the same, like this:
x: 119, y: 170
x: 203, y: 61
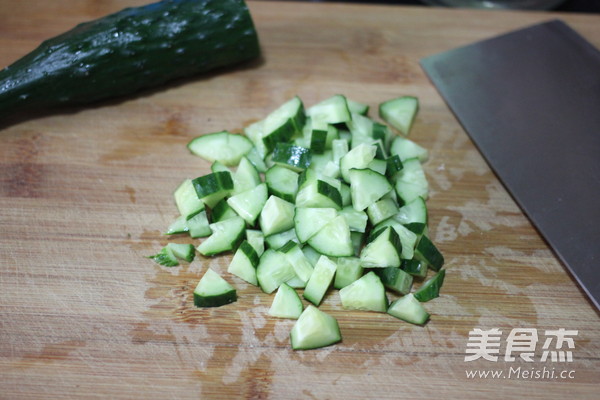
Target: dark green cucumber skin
x: 427, y: 252
x: 388, y: 277
x: 318, y: 141
x: 295, y: 157
x: 130, y: 50
x: 331, y: 192
x: 164, y: 259
x: 303, y: 177
x: 215, y: 301
x: 431, y: 288
x: 414, y: 267
x: 222, y: 211
x: 394, y: 165
x: 249, y: 251
x: 392, y: 237
x: 416, y: 227
x: 206, y: 185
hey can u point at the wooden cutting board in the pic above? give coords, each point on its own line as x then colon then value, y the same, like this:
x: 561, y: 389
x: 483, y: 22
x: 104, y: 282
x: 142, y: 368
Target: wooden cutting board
x: 86, y: 195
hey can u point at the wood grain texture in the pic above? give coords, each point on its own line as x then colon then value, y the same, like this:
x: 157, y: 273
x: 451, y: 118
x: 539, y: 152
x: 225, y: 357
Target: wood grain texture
x: 85, y: 195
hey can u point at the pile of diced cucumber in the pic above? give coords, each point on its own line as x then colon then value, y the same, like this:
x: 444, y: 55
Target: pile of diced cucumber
x: 314, y: 199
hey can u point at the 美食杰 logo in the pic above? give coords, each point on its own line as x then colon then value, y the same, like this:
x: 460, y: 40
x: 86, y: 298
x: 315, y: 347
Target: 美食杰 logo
x: 528, y: 345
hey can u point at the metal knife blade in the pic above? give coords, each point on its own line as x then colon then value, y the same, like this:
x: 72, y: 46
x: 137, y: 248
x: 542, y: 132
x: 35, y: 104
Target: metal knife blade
x: 530, y: 101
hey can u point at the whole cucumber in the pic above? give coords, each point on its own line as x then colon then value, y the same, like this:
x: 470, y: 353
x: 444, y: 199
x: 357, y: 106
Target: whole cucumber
x: 127, y: 51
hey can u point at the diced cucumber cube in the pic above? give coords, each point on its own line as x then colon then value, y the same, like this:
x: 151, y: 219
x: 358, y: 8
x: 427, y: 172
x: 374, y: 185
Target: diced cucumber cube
x: 282, y: 182
x: 367, y: 186
x: 302, y: 266
x: 277, y: 216
x: 406, y: 149
x: 395, y: 279
x: 222, y: 211
x: 178, y: 226
x: 226, y: 235
x: 213, y: 291
x: 400, y: 112
x: 357, y: 108
x: 244, y: 263
x: 182, y: 251
x: 409, y: 309
x: 333, y: 110
x: 366, y: 293
x: 273, y: 270
x: 225, y: 147
x: 257, y: 239
x: 357, y: 220
x: 286, y: 303
x: 431, y: 288
x: 213, y: 187
x: 429, y: 254
x: 314, y: 329
x: 414, y: 267
x: 333, y: 239
x: 198, y: 225
x: 413, y: 211
x: 165, y: 258
x: 348, y: 270
x: 287, y: 155
x: 246, y: 176
x: 318, y: 194
x: 283, y: 123
x: 309, y: 221
x: 411, y: 181
x: 358, y: 158
x: 250, y: 203
x: 320, y: 280
x: 381, y: 210
x: 383, y: 250
x: 187, y: 199
x: 280, y: 239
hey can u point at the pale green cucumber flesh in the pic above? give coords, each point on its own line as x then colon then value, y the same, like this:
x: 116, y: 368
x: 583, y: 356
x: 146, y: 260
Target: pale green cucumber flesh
x: 273, y: 270
x: 198, y: 226
x: 225, y: 147
x: 276, y: 216
x: 278, y: 240
x: 409, y: 309
x: 366, y: 293
x: 384, y: 251
x: 213, y: 291
x: 308, y: 221
x: 244, y: 262
x: 348, y: 270
x: 282, y: 182
x: 250, y: 203
x: 314, y: 329
x: 302, y: 266
x: 186, y: 199
x: 320, y: 280
x: 333, y: 239
x: 183, y: 251
x: 226, y: 235
x: 367, y: 186
x: 286, y: 303
x: 400, y: 112
x: 178, y: 226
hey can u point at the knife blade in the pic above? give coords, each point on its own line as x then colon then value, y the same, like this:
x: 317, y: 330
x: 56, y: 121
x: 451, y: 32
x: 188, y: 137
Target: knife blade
x: 530, y: 101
